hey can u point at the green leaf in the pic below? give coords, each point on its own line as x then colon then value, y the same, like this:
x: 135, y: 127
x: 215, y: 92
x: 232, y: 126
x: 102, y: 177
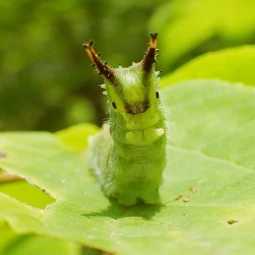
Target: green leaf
x: 234, y: 65
x: 76, y: 136
x: 189, y: 28
x: 213, y: 151
x: 27, y: 193
x: 13, y: 244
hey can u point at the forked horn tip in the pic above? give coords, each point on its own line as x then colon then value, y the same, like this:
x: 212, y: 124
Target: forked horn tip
x: 88, y: 44
x: 154, y: 36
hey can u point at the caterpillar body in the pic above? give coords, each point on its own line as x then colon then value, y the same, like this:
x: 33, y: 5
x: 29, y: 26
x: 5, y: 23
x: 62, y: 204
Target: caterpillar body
x: 129, y: 155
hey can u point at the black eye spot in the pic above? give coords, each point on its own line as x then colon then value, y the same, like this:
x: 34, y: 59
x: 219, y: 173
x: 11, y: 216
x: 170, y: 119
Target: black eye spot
x: 157, y: 94
x: 114, y: 105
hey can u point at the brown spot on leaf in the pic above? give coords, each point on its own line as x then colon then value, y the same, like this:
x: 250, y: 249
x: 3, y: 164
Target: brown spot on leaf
x: 193, y: 189
x: 2, y: 154
x: 178, y: 197
x: 230, y: 222
x: 186, y: 199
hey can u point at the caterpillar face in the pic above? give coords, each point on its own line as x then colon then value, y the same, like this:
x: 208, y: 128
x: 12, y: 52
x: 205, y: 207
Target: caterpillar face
x: 131, y: 91
x: 134, y: 93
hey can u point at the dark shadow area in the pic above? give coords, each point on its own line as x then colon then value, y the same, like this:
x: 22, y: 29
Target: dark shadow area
x: 117, y: 211
x: 87, y: 250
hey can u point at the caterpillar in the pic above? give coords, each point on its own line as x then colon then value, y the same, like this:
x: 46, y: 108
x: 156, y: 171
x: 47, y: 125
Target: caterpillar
x: 129, y: 155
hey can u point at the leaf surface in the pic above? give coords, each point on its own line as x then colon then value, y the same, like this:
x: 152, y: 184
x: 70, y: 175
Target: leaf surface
x: 76, y: 136
x: 212, y: 151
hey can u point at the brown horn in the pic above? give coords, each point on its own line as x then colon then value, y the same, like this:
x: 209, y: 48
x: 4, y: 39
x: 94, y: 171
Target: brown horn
x: 150, y: 56
x: 103, y: 69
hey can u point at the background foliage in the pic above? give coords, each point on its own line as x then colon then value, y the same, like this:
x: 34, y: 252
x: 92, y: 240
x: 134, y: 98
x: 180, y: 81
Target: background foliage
x: 46, y: 82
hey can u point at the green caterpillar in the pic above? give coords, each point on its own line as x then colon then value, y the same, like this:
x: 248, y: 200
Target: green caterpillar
x: 129, y: 155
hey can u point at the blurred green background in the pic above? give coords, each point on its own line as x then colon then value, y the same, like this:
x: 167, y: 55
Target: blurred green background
x: 46, y: 82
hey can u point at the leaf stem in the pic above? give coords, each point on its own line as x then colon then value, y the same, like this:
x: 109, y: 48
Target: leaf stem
x: 5, y: 177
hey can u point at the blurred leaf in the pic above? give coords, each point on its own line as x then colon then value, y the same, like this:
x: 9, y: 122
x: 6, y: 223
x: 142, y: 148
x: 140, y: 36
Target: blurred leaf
x: 13, y: 244
x: 80, y: 110
x: 234, y: 65
x: 46, y: 82
x: 76, y: 137
x: 213, y: 152
x: 5, y: 234
x: 190, y: 28
x: 27, y: 193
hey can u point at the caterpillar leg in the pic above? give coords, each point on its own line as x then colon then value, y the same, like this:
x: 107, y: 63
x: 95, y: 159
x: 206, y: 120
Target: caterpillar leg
x: 128, y: 199
x: 131, y: 199
x: 150, y: 197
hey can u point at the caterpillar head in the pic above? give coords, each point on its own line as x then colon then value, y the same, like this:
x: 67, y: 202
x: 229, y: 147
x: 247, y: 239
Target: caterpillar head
x: 132, y: 90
